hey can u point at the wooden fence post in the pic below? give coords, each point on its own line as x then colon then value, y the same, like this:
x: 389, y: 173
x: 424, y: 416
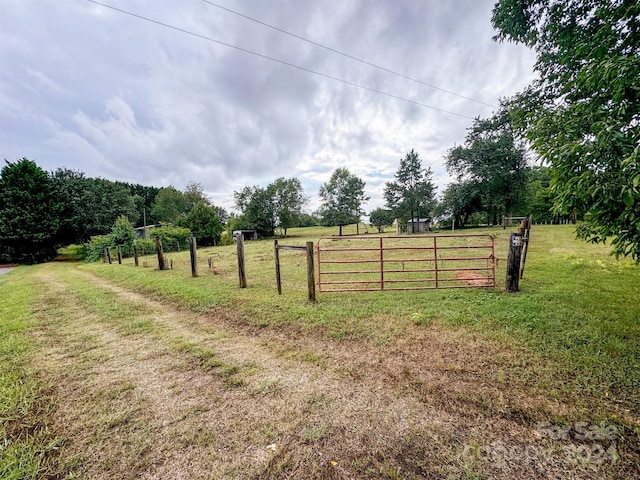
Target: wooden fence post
x: 162, y: 265
x: 242, y: 276
x: 525, y: 230
x: 108, y: 253
x: 135, y: 253
x: 276, y: 254
x: 119, y: 255
x: 513, y: 262
x: 311, y: 279
x: 194, y: 261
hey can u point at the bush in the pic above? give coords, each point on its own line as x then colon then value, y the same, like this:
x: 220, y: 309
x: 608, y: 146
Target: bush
x: 96, y: 246
x: 173, y: 238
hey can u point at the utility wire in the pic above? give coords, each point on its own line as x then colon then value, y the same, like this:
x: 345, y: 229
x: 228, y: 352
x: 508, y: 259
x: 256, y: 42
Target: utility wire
x: 384, y: 69
x: 283, y: 62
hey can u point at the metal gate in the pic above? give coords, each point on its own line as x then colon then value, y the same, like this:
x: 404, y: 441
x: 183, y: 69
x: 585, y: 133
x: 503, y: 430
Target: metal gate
x: 409, y: 262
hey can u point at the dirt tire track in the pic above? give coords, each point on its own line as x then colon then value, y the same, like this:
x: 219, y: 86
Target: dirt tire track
x: 353, y: 411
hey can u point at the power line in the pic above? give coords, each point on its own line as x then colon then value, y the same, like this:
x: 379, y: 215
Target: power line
x: 283, y: 62
x: 384, y: 69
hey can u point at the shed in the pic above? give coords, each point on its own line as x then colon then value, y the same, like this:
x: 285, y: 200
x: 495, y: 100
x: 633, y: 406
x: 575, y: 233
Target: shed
x: 418, y: 225
x: 246, y: 234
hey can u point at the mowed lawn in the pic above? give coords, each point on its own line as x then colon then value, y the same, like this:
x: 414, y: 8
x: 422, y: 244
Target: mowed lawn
x: 116, y: 371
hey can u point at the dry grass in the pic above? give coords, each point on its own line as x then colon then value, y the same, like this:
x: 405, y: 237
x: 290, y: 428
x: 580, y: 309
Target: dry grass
x: 148, y: 390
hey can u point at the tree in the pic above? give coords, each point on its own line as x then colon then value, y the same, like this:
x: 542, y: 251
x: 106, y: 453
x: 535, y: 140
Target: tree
x: 123, y: 234
x: 412, y: 194
x: 381, y: 217
x: 288, y: 201
x: 582, y: 116
x: 342, y: 199
x: 257, y: 210
x: 194, y: 194
x: 460, y: 201
x: 278, y: 205
x: 493, y: 163
x: 170, y: 204
x: 29, y: 213
x: 204, y: 224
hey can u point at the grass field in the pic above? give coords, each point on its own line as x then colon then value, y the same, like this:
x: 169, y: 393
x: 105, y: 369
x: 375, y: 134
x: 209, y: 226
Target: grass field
x: 113, y: 371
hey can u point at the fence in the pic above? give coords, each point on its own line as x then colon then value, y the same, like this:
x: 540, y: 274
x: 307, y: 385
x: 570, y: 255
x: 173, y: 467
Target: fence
x: 418, y: 262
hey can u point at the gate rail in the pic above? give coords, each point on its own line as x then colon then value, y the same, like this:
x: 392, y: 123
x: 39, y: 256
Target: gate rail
x: 415, y: 262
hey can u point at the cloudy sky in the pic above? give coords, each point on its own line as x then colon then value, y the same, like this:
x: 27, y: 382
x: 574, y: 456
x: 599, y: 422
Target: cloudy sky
x: 119, y: 97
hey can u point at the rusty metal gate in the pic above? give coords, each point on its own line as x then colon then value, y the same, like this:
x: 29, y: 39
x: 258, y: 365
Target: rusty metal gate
x: 409, y: 262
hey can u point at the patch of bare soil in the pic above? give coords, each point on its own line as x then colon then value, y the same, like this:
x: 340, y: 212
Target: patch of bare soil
x: 211, y: 396
x: 473, y: 278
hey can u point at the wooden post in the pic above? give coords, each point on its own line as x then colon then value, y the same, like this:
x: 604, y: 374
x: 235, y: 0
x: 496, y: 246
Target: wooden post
x: 513, y: 262
x: 108, y: 253
x: 276, y: 254
x: 192, y: 251
x: 526, y: 223
x: 311, y: 280
x: 162, y: 265
x: 242, y: 277
x: 104, y: 255
x: 135, y: 253
x: 119, y: 255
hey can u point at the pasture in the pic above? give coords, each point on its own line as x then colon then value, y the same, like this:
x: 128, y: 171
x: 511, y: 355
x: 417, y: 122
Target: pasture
x: 116, y: 371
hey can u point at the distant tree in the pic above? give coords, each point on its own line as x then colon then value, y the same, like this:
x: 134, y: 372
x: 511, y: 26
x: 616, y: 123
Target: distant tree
x: 460, y: 201
x: 308, y: 220
x: 277, y: 206
x: 493, y: 162
x: 204, y: 224
x: 257, y: 210
x: 194, y: 194
x: 342, y: 199
x: 75, y: 218
x: 170, y: 204
x: 288, y: 200
x: 221, y: 213
x: 412, y: 194
x: 144, y: 198
x: 582, y: 114
x: 380, y: 218
x: 29, y: 213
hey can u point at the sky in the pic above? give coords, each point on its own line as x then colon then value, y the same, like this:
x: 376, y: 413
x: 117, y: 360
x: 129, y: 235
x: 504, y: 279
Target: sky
x: 89, y: 88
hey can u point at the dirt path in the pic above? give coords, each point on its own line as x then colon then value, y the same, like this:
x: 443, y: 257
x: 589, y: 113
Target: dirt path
x: 147, y: 390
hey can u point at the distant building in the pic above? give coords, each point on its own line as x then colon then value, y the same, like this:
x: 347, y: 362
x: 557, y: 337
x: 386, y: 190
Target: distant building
x: 418, y: 225
x: 246, y: 234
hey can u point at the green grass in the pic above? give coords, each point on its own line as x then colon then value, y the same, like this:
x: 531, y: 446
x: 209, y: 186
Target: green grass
x: 577, y: 306
x: 25, y: 405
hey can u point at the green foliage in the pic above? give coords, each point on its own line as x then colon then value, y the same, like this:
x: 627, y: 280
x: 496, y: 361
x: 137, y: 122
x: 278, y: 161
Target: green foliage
x: 490, y: 168
x: 173, y: 238
x: 582, y: 115
x: 342, y: 198
x: 265, y: 209
x: 96, y: 246
x: 123, y: 234
x: 380, y: 218
x: 29, y: 214
x: 204, y: 224
x: 170, y: 204
x: 412, y: 194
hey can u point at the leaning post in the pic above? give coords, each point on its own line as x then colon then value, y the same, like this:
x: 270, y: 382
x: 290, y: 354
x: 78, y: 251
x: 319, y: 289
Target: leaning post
x: 162, y: 265
x: 135, y: 253
x: 119, y: 255
x: 513, y: 262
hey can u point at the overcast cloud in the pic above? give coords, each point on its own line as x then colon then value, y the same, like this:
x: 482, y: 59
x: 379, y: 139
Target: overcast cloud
x: 92, y: 89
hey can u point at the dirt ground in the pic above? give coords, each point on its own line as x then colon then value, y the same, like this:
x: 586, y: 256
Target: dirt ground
x: 148, y: 390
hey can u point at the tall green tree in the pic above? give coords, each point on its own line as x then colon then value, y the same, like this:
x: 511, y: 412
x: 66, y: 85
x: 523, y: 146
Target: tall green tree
x: 412, y: 194
x: 582, y: 116
x: 492, y: 162
x: 170, y: 205
x: 29, y: 213
x: 342, y: 199
x: 288, y: 201
x: 380, y: 218
x: 203, y: 223
x: 277, y: 206
x: 460, y: 201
